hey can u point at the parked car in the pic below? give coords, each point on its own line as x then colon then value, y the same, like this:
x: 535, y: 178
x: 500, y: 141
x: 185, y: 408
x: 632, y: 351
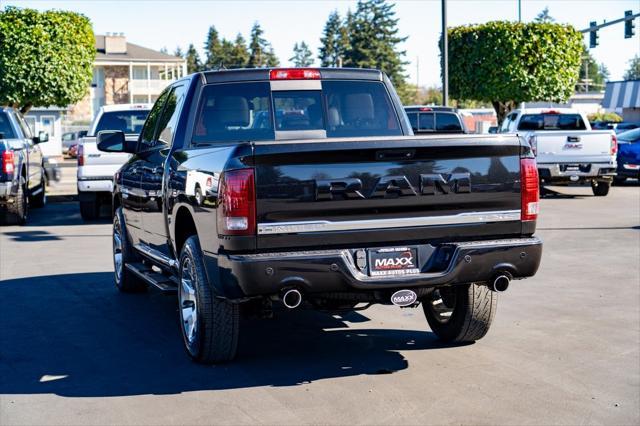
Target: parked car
x: 71, y: 139
x: 626, y: 126
x: 95, y: 168
x: 567, y: 150
x: 22, y: 177
x: 628, y: 155
x: 339, y: 208
x: 434, y: 120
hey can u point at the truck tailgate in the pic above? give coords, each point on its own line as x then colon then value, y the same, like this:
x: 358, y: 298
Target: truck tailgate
x: 573, y: 147
x: 357, y: 191
x: 99, y: 163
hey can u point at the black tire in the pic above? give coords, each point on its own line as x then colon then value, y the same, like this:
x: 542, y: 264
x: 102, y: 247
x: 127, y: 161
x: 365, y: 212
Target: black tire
x: 471, y: 306
x: 40, y: 200
x: 17, y: 212
x: 600, y: 188
x: 214, y: 336
x: 89, y: 207
x: 123, y: 253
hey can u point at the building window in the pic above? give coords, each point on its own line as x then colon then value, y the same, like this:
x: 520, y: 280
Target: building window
x: 139, y: 72
x: 140, y: 99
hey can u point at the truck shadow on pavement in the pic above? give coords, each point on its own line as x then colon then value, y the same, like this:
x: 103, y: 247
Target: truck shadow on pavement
x: 74, y: 335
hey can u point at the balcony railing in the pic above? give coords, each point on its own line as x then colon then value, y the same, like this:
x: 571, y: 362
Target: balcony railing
x: 147, y: 87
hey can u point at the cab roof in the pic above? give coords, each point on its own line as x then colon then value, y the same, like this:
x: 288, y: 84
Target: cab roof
x: 265, y: 74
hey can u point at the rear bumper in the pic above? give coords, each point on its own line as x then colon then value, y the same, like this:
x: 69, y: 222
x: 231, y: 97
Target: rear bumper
x: 565, y: 172
x: 335, y: 271
x: 95, y: 184
x: 628, y: 170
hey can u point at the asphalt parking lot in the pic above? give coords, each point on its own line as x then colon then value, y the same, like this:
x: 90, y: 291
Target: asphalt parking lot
x: 564, y: 347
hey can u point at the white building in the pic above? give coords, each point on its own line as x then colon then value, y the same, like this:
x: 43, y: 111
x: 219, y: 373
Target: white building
x: 126, y: 73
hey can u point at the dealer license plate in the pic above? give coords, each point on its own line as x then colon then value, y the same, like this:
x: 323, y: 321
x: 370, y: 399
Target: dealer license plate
x: 393, y: 261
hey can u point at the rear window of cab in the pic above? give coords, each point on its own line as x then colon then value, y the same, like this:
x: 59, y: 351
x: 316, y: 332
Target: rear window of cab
x: 551, y: 121
x: 230, y: 112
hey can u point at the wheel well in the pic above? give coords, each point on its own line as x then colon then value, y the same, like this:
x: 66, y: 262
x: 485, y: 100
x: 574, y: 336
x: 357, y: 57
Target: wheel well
x: 116, y: 203
x: 184, y: 228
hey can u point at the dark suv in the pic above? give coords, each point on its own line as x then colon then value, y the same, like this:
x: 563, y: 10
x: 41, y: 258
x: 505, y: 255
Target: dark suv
x: 434, y: 120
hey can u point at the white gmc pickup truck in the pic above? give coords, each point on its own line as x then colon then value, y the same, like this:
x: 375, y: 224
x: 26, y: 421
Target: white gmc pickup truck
x: 567, y: 150
x: 96, y: 168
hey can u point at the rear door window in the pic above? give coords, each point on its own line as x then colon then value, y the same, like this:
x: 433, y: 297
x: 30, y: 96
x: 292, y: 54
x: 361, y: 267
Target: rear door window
x: 549, y: 121
x: 234, y: 112
x: 446, y: 122
x: 129, y: 122
x: 359, y: 108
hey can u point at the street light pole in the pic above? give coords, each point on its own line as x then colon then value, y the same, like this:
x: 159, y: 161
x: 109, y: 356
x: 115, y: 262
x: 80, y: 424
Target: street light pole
x: 445, y: 56
x: 519, y: 10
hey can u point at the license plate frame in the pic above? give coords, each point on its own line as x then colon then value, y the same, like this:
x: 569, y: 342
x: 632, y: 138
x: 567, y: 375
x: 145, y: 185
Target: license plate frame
x: 393, y: 261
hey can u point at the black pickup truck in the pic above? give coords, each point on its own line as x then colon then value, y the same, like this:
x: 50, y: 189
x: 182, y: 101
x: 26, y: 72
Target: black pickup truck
x: 307, y: 186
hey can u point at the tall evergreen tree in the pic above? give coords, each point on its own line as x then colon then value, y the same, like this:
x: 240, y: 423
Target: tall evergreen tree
x: 302, y: 56
x: 239, y: 54
x: 213, y: 49
x: 633, y: 72
x: 374, y: 40
x: 272, y: 59
x: 193, y: 60
x: 178, y: 52
x: 544, y: 17
x: 256, y: 47
x: 334, y: 41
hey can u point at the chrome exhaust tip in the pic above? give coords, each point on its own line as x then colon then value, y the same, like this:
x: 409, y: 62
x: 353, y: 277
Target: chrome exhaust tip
x: 500, y: 283
x: 292, y: 298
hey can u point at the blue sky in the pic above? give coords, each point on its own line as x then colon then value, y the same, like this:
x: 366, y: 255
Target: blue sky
x: 158, y: 23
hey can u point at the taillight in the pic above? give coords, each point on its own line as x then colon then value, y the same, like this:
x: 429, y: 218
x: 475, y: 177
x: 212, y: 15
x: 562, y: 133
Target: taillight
x: 533, y: 142
x: 529, y: 189
x: 7, y: 162
x: 614, y: 145
x: 294, y: 74
x: 80, y: 154
x: 238, y: 202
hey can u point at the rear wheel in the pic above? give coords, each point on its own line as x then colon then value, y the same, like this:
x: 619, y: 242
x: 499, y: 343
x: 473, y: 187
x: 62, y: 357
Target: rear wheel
x: 210, y: 326
x: 17, y: 212
x: 123, y: 253
x: 89, y: 206
x: 462, y: 313
x: 600, y: 188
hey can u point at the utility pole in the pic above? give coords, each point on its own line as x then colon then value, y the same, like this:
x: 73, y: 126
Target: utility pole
x: 417, y: 77
x: 445, y: 56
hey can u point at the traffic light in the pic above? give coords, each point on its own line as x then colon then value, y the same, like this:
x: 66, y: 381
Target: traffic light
x: 628, y: 25
x: 593, y: 35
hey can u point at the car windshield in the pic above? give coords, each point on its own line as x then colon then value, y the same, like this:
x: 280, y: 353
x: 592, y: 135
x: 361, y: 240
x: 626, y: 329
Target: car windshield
x: 551, y: 121
x: 632, y: 136
x: 231, y: 112
x: 129, y: 122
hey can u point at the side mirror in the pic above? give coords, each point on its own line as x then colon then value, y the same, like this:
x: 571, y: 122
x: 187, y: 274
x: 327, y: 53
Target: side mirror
x: 114, y: 141
x: 41, y: 138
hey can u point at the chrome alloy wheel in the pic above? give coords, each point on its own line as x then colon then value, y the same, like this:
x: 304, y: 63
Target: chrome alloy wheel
x: 441, y: 303
x: 188, y: 305
x: 117, y: 250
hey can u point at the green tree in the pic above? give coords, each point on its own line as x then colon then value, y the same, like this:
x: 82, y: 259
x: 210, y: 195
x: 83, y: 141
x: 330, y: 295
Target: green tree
x: 302, y: 56
x: 239, y: 57
x: 544, y: 17
x: 334, y: 41
x: 213, y: 49
x: 164, y: 50
x: 596, y: 74
x: 633, y: 72
x: 193, y: 60
x: 374, y: 40
x: 46, y: 58
x: 256, y: 47
x: 506, y: 63
x: 272, y: 59
x: 178, y: 52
